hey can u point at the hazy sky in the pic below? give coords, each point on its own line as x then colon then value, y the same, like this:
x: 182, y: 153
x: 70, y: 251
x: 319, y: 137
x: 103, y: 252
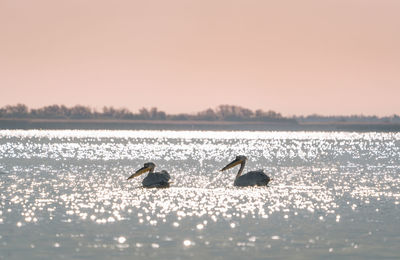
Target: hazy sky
x: 295, y: 57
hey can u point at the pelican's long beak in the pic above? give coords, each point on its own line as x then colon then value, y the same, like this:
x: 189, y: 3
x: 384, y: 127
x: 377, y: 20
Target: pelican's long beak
x: 233, y: 163
x: 139, y: 172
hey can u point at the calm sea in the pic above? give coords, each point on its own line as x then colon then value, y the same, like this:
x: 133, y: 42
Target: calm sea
x: 64, y: 195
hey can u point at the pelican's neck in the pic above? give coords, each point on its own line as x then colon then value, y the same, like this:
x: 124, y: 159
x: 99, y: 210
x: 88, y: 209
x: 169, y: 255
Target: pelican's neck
x: 151, y: 170
x: 241, y: 169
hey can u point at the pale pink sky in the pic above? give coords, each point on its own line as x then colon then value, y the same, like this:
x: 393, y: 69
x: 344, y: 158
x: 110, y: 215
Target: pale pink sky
x: 295, y: 57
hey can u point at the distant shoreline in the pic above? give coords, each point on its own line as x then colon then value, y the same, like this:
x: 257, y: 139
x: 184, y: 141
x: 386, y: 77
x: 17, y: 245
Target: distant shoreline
x: 113, y: 124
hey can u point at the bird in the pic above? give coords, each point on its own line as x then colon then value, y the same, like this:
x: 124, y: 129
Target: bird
x: 153, y: 179
x: 252, y: 178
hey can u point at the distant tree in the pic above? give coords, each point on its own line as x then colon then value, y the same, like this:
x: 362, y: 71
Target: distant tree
x: 122, y: 113
x: 80, y: 112
x: 19, y: 110
x: 53, y: 111
x: 152, y: 114
x: 157, y: 115
x: 208, y: 115
x: 2, y: 112
x: 233, y: 113
x: 108, y: 112
x: 144, y: 114
x: 395, y: 119
x: 270, y: 115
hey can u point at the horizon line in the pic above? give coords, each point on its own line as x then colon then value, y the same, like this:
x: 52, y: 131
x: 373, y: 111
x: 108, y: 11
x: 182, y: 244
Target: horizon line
x: 96, y: 109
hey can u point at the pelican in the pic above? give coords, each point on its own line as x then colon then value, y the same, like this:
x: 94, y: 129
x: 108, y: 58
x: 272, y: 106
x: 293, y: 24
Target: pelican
x: 153, y: 179
x: 252, y: 178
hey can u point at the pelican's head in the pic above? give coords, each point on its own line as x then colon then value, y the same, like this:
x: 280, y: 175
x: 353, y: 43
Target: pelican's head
x: 238, y: 160
x: 146, y: 167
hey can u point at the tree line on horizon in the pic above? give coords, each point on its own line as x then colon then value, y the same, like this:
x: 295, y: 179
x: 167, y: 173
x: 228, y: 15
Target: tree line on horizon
x: 221, y: 113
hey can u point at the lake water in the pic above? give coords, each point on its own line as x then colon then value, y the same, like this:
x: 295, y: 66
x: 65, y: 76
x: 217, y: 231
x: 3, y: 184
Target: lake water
x: 64, y: 195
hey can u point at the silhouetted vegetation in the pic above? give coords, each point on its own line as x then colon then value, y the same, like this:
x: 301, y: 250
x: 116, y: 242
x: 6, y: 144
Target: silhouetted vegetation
x: 221, y: 113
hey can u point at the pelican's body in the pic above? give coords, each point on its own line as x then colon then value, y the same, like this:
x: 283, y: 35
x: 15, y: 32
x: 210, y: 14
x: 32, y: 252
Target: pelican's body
x: 153, y: 179
x: 253, y: 178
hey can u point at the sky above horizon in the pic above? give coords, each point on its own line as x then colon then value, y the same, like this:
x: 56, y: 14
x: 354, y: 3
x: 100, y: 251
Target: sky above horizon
x: 327, y: 57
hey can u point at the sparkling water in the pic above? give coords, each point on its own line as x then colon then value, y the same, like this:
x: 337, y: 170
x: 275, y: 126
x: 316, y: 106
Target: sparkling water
x: 64, y: 194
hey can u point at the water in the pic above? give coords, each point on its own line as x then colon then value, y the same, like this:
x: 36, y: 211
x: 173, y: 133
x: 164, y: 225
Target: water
x: 64, y: 194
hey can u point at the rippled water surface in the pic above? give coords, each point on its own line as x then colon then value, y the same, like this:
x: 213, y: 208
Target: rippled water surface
x: 64, y: 194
